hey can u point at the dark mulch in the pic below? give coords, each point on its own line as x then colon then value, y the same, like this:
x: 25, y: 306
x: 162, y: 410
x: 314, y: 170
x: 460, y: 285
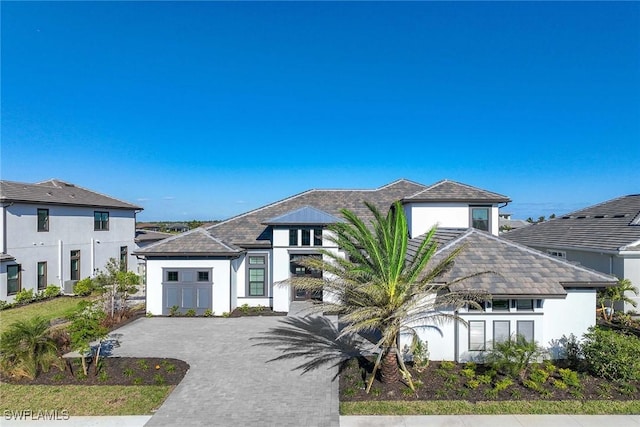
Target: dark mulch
x: 113, y: 371
x: 255, y: 311
x: 438, y: 383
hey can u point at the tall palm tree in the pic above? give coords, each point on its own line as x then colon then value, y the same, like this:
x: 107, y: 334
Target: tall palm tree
x: 26, y: 348
x: 377, y: 287
x: 619, y: 293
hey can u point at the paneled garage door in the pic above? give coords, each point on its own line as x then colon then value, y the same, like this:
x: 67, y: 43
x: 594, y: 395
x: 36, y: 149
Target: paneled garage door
x: 186, y: 297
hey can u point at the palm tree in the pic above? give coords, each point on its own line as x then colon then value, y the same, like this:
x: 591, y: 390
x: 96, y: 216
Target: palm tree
x: 26, y: 348
x: 377, y: 287
x: 618, y: 293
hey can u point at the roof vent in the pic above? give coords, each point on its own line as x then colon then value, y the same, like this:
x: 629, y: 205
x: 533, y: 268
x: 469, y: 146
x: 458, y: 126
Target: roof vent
x: 581, y: 217
x: 49, y: 193
x: 620, y: 215
x: 566, y: 217
x: 600, y: 216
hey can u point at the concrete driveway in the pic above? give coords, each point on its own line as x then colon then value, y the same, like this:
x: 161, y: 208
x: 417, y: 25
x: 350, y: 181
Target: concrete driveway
x: 231, y: 381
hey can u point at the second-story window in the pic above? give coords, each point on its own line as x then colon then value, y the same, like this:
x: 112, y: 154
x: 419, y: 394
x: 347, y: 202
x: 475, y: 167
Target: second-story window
x: 43, y: 219
x: 100, y: 221
x: 480, y: 217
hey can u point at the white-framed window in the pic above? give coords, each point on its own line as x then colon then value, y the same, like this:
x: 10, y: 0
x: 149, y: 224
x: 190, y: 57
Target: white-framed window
x: 477, y: 335
x: 559, y: 254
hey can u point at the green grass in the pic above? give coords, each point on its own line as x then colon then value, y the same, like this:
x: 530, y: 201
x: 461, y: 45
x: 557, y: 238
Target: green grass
x: 462, y: 407
x: 50, y: 309
x: 84, y: 400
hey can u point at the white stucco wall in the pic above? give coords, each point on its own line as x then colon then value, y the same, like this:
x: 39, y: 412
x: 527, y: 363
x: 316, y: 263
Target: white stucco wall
x: 70, y: 228
x: 422, y: 216
x: 221, y: 278
x: 632, y: 272
x: 562, y: 317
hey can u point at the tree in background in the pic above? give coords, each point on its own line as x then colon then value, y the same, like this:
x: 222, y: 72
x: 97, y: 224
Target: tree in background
x: 116, y: 285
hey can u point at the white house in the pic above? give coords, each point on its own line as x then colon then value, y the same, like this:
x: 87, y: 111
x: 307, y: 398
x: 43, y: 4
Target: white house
x: 237, y: 262
x: 604, y: 237
x: 54, y: 232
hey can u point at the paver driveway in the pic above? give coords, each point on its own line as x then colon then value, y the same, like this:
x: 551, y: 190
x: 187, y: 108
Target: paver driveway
x: 231, y: 382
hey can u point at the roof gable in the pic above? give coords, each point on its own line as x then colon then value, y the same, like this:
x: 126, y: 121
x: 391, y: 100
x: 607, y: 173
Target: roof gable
x: 515, y: 269
x: 197, y: 241
x: 56, y: 192
x: 452, y: 191
x: 609, y: 226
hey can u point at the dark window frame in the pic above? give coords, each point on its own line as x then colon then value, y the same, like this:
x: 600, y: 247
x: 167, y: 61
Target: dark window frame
x: 520, y: 301
x: 41, y: 278
x: 317, y: 236
x: 100, y: 221
x: 171, y: 274
x: 201, y: 279
x: 306, y: 237
x: 43, y: 222
x: 293, y: 237
x: 508, y: 322
x: 503, y: 309
x: 124, y: 258
x: 255, y: 266
x: 74, y: 255
x: 533, y: 329
x: 17, y: 280
x: 472, y: 220
x: 484, y: 335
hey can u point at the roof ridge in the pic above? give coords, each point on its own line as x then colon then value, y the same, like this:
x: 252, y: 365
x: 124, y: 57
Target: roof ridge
x: 599, y: 204
x: 172, y: 238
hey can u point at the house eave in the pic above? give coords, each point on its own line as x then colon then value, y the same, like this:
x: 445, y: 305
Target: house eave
x: 87, y: 205
x: 588, y: 284
x: 186, y: 254
x: 455, y: 200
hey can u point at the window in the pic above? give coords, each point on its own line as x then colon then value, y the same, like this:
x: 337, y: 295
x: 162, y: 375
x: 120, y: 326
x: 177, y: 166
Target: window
x: 317, y: 237
x: 471, y: 307
x: 13, y: 279
x: 501, y: 331
x: 559, y: 254
x: 75, y: 265
x: 42, y: 275
x: 525, y: 329
x: 257, y: 275
x: 299, y: 270
x: 476, y: 335
x: 500, y: 305
x: 306, y: 237
x: 203, y: 276
x: 124, y: 252
x: 43, y: 219
x: 100, y: 221
x: 172, y: 276
x: 293, y: 237
x: 524, y: 304
x: 480, y: 218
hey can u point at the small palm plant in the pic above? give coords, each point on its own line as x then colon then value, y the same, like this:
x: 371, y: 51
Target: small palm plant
x: 378, y: 287
x: 618, y: 293
x: 27, y: 348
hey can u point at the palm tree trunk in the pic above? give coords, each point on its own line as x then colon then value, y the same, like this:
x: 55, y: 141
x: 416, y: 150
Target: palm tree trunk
x: 389, y: 370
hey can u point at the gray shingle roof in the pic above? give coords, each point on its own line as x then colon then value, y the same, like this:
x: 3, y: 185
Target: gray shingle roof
x: 306, y: 215
x: 6, y: 257
x: 151, y: 236
x: 56, y: 192
x: 195, y: 242
x: 452, y: 191
x: 517, y: 270
x: 248, y: 229
x: 609, y: 226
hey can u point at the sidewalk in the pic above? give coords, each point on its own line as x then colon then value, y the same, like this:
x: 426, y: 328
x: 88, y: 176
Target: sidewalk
x: 491, y: 421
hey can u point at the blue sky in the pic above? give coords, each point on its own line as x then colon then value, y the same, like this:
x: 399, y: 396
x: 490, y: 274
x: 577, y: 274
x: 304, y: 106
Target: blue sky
x: 205, y: 110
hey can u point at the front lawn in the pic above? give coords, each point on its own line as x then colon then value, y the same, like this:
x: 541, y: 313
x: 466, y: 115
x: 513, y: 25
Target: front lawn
x: 84, y: 400
x: 60, y: 307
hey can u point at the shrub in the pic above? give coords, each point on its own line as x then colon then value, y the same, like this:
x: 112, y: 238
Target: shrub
x: 447, y: 365
x: 83, y: 287
x: 190, y: 313
x: 174, y: 310
x: 207, y: 313
x: 24, y: 296
x: 26, y: 348
x: 612, y: 355
x: 5, y: 305
x: 569, y: 377
x: 51, y: 291
x: 420, y: 355
x: 512, y: 357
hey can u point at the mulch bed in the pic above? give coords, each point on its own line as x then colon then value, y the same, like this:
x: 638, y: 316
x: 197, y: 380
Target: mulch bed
x: 112, y: 371
x: 438, y: 383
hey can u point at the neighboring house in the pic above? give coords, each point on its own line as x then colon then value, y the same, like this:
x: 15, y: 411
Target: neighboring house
x: 149, y: 226
x: 507, y: 224
x: 54, y: 232
x: 243, y: 259
x: 144, y: 238
x: 604, y: 237
x: 178, y: 227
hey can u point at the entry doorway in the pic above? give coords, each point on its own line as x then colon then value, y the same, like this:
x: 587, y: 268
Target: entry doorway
x: 298, y: 270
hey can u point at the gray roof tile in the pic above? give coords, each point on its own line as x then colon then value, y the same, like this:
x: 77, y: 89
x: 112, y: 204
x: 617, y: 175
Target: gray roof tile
x: 516, y: 269
x: 58, y: 192
x: 452, y: 191
x: 610, y: 226
x: 195, y: 242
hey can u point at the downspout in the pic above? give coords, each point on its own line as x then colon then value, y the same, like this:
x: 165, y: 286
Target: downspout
x: 4, y: 227
x: 456, y: 347
x: 93, y: 257
x: 60, y: 271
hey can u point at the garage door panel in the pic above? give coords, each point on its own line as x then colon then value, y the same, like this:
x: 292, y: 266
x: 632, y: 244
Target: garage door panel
x: 187, y: 297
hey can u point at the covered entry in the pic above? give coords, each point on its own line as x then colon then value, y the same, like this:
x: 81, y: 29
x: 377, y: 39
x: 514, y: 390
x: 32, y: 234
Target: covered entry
x: 298, y: 270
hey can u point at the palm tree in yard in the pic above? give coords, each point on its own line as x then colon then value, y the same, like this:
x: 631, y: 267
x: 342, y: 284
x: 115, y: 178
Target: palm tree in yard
x: 377, y: 287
